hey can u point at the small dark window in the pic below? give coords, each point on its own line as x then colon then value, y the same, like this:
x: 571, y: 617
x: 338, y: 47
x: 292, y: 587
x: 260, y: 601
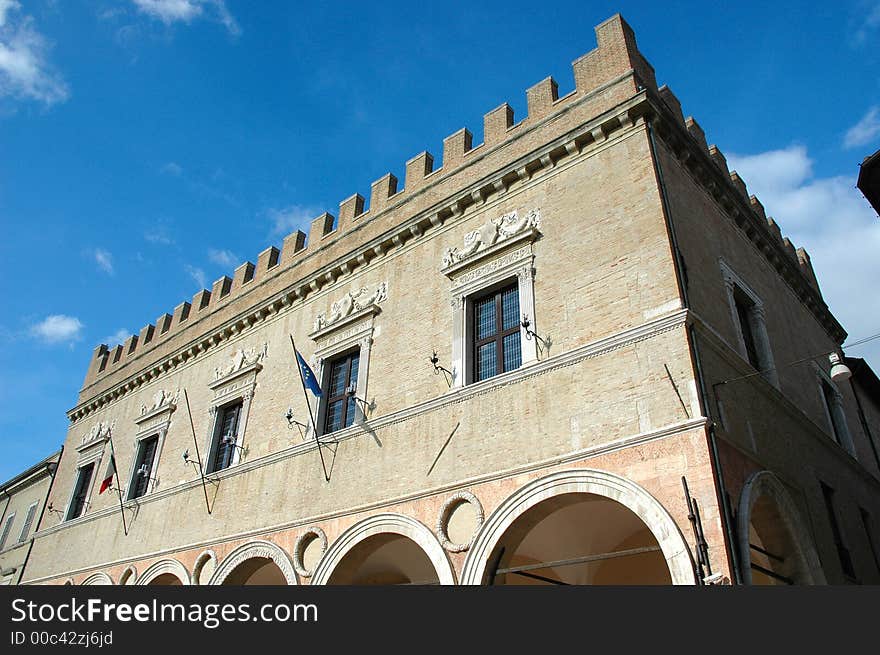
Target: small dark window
x: 842, y: 551
x: 744, y: 308
x: 226, y: 437
x: 342, y: 376
x: 81, y: 491
x: 830, y: 399
x: 28, y: 522
x: 143, y: 467
x: 495, y: 329
x: 866, y: 522
x: 7, y: 527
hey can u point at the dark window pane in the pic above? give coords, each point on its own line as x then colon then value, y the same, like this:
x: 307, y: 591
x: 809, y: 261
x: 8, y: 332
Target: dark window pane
x: 828, y: 395
x: 510, y: 309
x: 226, y: 437
x: 512, y: 352
x: 334, y: 416
x: 484, y: 310
x: 743, y: 310
x: 486, y: 364
x: 144, y: 463
x: 343, y: 377
x: 842, y: 550
x: 83, y: 481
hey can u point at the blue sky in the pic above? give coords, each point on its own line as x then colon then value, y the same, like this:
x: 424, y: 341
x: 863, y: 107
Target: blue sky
x: 147, y: 147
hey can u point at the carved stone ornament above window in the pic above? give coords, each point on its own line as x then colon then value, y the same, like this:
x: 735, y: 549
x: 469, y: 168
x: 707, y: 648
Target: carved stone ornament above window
x: 99, y: 433
x: 493, y: 236
x: 353, y: 306
x: 240, y: 360
x: 239, y: 378
x: 156, y: 416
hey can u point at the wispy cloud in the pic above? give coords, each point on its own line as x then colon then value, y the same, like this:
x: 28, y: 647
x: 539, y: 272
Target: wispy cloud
x: 867, y: 21
x: 117, y: 337
x: 289, y: 219
x: 223, y: 258
x: 58, y: 328
x: 104, y: 260
x: 198, y: 275
x: 172, y: 168
x: 185, y: 11
x: 865, y: 131
x: 25, y: 72
x: 831, y: 219
x: 159, y: 234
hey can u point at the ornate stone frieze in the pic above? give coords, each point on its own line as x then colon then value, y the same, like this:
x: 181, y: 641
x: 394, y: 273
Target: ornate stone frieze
x: 99, y: 433
x: 241, y: 359
x: 353, y: 302
x: 162, y: 400
x: 493, y: 233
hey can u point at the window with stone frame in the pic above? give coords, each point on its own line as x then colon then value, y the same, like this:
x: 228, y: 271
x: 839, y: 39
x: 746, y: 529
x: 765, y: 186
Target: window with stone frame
x: 226, y: 433
x: 144, y: 467
x: 835, y: 416
x: 492, y: 292
x: 748, y: 315
x: 495, y: 331
x: 338, y: 392
x: 81, y: 491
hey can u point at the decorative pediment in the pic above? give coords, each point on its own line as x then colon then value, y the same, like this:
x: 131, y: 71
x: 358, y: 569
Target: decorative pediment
x: 156, y: 416
x: 240, y: 362
x: 492, y: 237
x: 352, y: 307
x: 99, y: 433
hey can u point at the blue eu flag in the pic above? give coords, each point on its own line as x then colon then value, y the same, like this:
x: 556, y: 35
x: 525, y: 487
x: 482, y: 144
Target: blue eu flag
x: 308, y: 377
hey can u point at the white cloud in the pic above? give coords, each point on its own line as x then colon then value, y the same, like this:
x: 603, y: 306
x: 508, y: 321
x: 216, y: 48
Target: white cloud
x: 868, y: 21
x: 865, y: 131
x: 172, y: 168
x: 292, y: 218
x: 117, y: 337
x: 223, y: 258
x: 104, y: 260
x: 835, y: 224
x: 24, y: 69
x: 198, y: 275
x: 58, y: 328
x: 184, y: 11
x: 159, y: 234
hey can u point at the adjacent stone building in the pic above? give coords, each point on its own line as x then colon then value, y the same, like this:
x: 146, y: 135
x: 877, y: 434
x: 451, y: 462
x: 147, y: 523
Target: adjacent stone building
x: 522, y: 353
x: 24, y: 502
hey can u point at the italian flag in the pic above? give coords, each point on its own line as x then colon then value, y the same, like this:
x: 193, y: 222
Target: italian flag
x: 108, y: 475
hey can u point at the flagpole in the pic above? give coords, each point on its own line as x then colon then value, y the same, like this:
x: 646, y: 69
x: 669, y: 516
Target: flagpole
x: 118, y: 489
x: 198, y: 454
x: 309, y: 405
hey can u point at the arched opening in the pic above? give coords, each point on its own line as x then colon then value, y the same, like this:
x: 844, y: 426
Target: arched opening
x: 256, y: 571
x: 385, y: 559
x: 775, y: 546
x: 579, y: 526
x: 165, y: 580
x: 578, y: 539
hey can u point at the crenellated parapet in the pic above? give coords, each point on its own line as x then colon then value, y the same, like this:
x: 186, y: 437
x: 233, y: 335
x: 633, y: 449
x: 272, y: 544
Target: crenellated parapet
x: 614, y: 89
x: 745, y: 209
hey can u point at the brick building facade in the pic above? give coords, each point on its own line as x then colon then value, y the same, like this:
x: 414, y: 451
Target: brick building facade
x: 664, y: 311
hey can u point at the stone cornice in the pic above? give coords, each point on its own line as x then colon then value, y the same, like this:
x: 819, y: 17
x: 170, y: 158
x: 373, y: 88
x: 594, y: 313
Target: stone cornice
x: 735, y: 207
x: 579, y: 141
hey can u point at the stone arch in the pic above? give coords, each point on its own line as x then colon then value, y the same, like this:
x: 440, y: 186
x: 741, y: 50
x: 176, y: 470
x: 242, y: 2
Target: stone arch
x: 128, y: 576
x: 169, y: 567
x: 98, y: 579
x: 255, y: 550
x: 764, y: 484
x: 207, y: 559
x: 391, y: 524
x: 588, y: 481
